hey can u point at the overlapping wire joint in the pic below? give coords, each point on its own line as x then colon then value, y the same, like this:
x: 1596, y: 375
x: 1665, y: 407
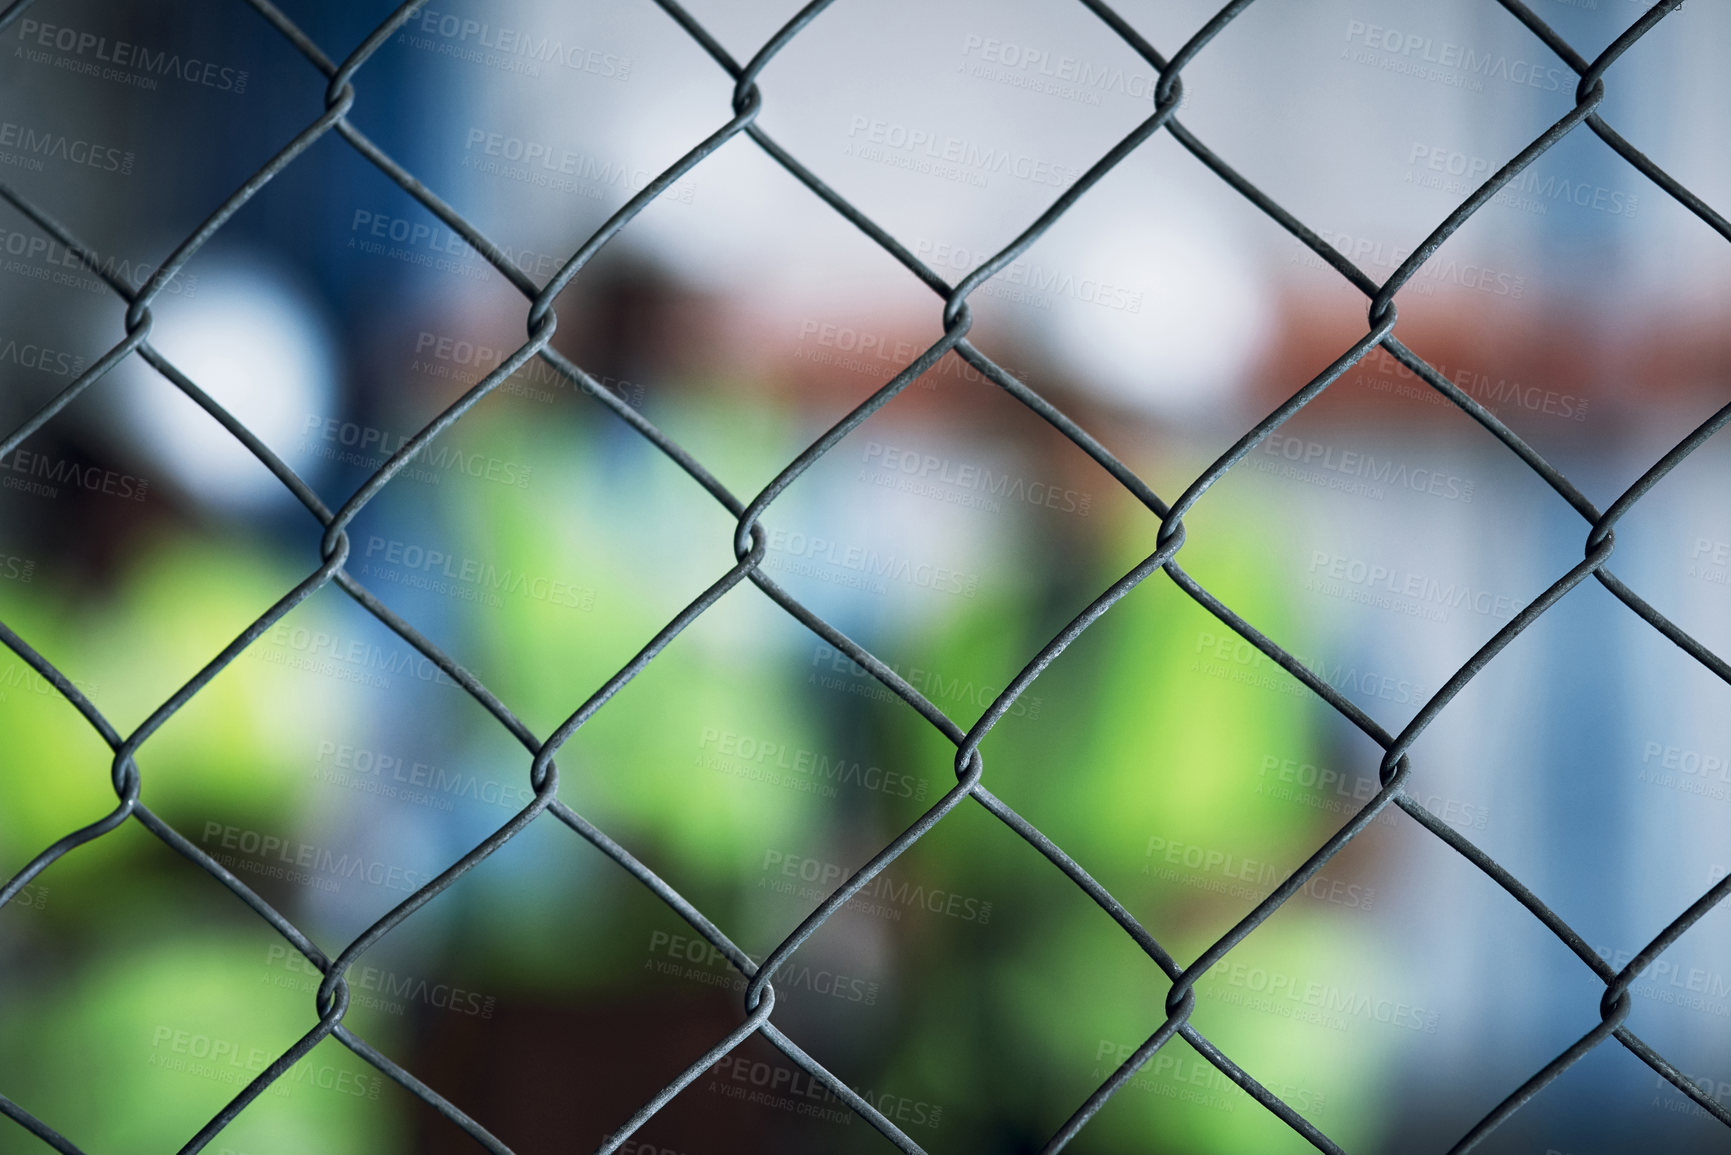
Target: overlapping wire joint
x: 332, y: 999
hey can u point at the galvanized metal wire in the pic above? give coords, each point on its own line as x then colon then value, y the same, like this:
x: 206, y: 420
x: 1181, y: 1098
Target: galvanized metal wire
x: 746, y: 565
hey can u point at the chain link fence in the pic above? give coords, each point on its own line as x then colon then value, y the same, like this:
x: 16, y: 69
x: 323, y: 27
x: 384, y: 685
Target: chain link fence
x: 1396, y: 767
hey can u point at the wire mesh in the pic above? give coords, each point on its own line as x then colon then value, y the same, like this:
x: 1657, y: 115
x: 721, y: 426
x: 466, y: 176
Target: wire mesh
x: 1395, y: 770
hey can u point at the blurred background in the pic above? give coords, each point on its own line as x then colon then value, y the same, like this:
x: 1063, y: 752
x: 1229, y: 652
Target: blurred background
x: 974, y: 994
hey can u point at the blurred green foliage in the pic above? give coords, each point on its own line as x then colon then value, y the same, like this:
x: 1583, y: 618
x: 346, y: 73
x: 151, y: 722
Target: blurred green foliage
x: 1006, y: 1021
